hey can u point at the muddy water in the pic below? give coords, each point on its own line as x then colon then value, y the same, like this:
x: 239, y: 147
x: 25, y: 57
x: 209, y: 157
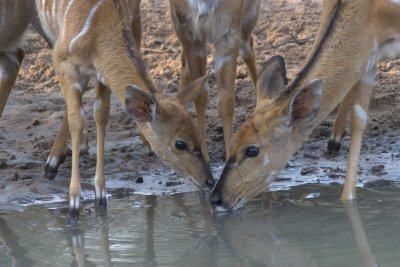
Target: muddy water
x: 305, y: 226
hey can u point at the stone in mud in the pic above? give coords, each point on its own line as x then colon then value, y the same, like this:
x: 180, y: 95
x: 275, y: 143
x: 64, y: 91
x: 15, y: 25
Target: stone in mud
x: 282, y: 179
x: 173, y: 183
x: 35, y: 122
x: 377, y: 183
x: 308, y: 170
x: 139, y: 180
x: 378, y: 170
x: 3, y: 163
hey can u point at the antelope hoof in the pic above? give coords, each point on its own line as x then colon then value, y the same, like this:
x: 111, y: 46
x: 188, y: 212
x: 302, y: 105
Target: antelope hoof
x: 334, y: 143
x: 101, y: 203
x: 52, y: 165
x: 73, y: 215
x: 84, y: 149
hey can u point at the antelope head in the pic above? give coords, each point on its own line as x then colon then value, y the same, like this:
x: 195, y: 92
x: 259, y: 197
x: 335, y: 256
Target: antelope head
x: 170, y: 130
x: 262, y: 146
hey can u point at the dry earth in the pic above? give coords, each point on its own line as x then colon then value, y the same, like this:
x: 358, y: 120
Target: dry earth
x: 34, y: 111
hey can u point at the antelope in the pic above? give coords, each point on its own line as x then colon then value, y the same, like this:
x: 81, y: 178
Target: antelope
x: 352, y: 38
x: 94, y: 37
x: 228, y: 24
x: 15, y: 17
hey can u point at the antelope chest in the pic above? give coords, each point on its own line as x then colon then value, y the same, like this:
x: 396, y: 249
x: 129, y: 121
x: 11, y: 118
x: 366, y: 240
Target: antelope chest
x: 212, y: 19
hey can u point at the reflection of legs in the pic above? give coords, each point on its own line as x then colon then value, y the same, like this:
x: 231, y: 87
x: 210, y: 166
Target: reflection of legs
x: 225, y: 67
x: 338, y: 130
x: 360, y: 236
x: 101, y: 113
x: 9, y: 66
x: 14, y: 250
x: 359, y: 110
x: 150, y: 258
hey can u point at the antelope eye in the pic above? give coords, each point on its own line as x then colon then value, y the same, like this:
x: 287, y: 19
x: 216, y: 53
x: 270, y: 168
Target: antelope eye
x: 252, y: 152
x: 180, y: 145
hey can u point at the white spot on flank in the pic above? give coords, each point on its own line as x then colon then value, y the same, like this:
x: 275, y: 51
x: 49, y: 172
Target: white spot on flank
x: 266, y: 160
x: 220, y: 62
x: 96, y: 105
x: 361, y: 113
x: 86, y: 26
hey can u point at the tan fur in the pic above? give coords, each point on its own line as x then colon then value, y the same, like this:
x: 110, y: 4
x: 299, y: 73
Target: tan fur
x: 228, y: 24
x: 94, y: 37
x: 14, y: 19
x: 365, y: 32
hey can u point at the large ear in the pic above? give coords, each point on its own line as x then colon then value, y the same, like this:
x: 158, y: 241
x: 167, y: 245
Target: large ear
x: 305, y: 104
x: 272, y: 78
x: 192, y: 90
x: 139, y: 104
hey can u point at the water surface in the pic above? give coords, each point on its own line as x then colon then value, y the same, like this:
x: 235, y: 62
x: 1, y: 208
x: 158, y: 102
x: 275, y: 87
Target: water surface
x: 304, y: 226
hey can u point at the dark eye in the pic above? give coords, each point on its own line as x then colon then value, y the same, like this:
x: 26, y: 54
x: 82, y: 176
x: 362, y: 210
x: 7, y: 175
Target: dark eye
x: 180, y: 145
x: 252, y: 152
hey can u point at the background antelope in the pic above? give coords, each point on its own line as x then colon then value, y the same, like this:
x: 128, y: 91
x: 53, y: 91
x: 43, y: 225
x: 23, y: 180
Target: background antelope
x: 15, y: 18
x: 353, y: 37
x: 94, y: 37
x: 228, y: 25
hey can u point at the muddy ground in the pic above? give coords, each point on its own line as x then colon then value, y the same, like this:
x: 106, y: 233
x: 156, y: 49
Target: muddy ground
x: 33, y: 115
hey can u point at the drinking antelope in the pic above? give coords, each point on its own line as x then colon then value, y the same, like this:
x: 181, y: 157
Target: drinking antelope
x: 228, y: 24
x: 353, y: 37
x: 94, y: 37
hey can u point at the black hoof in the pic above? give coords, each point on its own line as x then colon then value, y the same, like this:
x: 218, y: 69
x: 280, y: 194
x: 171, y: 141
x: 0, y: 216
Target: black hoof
x: 333, y: 145
x: 50, y: 172
x: 101, y: 207
x: 73, y: 215
x: 101, y: 203
x: 84, y: 152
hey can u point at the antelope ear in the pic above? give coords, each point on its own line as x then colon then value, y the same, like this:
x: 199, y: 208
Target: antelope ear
x: 305, y: 105
x: 140, y: 105
x: 272, y: 78
x: 192, y: 90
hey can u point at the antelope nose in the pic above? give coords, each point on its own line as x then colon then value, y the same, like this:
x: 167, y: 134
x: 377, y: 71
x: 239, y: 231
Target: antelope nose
x: 216, y: 198
x: 210, y: 183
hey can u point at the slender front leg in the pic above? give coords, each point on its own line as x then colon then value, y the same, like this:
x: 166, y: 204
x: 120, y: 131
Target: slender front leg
x: 69, y: 80
x: 338, y: 129
x: 10, y: 63
x: 59, y: 148
x: 359, y: 118
x: 225, y: 67
x: 194, y: 62
x: 101, y: 113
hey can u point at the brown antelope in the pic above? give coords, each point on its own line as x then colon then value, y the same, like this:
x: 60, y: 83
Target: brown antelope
x: 228, y: 24
x: 94, y: 37
x: 353, y: 37
x: 15, y: 17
